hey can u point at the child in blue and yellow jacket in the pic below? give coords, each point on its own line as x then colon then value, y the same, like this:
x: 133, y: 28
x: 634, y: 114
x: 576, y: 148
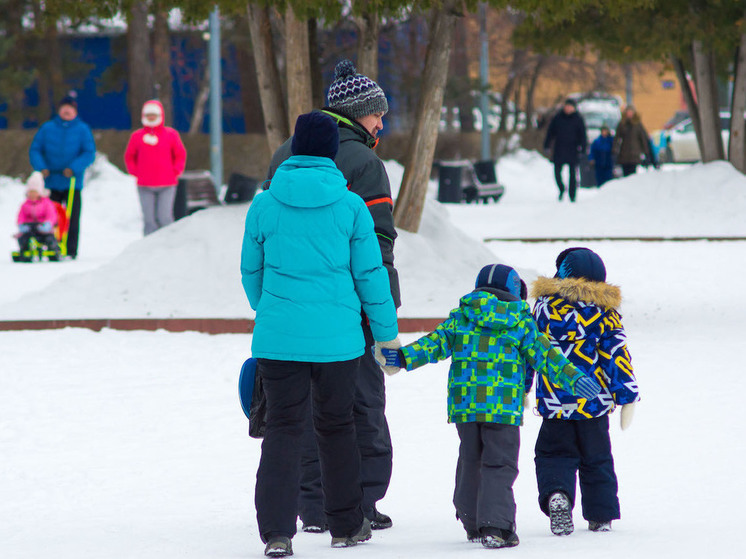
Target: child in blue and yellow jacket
x: 491, y: 338
x: 577, y: 309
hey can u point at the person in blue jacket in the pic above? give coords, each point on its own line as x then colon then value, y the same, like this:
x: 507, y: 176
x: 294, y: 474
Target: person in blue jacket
x: 310, y: 263
x: 601, y: 156
x: 63, y: 148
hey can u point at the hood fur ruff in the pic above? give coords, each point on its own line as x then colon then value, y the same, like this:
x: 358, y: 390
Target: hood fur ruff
x: 579, y: 289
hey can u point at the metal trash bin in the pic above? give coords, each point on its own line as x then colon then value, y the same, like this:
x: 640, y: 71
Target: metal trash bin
x: 240, y: 189
x: 485, y: 171
x: 450, y: 189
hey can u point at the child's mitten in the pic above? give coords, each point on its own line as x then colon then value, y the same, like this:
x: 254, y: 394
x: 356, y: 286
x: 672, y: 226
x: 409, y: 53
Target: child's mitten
x: 383, y: 361
x: 625, y: 417
x: 24, y: 228
x: 587, y: 388
x: 45, y: 227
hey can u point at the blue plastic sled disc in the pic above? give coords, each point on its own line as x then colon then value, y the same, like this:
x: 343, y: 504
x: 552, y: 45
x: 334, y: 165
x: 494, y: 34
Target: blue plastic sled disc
x: 246, y: 384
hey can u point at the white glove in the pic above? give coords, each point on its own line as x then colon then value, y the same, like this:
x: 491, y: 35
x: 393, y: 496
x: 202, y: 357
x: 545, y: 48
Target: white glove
x: 381, y: 359
x: 526, y: 401
x: 625, y: 417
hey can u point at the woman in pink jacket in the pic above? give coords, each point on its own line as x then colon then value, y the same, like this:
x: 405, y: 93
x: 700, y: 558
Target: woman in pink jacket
x: 37, y: 216
x: 155, y: 155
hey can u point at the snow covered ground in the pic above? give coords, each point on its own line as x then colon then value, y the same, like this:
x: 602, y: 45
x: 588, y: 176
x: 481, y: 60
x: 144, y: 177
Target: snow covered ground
x: 133, y: 445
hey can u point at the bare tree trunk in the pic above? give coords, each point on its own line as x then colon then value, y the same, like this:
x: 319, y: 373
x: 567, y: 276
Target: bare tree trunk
x: 513, y: 73
x: 270, y: 89
x: 689, y: 99
x: 198, y: 113
x: 368, y: 27
x: 162, y: 63
x: 298, y: 70
x: 419, y: 160
x: 139, y: 67
x: 51, y: 84
x: 317, y: 81
x: 737, y: 142
x: 460, y: 71
x: 532, y: 88
x: 250, y: 102
x: 704, y: 80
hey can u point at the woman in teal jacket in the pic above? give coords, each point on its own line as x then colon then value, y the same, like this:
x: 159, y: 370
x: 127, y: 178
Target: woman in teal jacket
x: 310, y: 263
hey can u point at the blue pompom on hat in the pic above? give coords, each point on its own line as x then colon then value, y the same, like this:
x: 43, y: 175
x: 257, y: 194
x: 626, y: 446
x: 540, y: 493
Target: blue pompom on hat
x: 315, y: 134
x: 579, y: 262
x: 505, y: 278
x: 353, y: 94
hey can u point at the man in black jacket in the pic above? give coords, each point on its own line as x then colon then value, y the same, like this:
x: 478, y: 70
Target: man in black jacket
x: 358, y: 105
x: 567, y: 138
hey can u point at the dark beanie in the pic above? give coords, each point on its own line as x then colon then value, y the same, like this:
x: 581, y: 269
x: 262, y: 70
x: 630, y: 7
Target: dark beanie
x: 69, y: 99
x: 505, y: 278
x: 578, y: 262
x: 571, y: 101
x: 315, y: 134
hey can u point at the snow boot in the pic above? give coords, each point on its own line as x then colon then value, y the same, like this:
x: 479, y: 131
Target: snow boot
x: 278, y: 546
x: 495, y: 538
x: 315, y: 528
x: 560, y: 514
x: 380, y: 521
x: 594, y: 526
x: 362, y: 535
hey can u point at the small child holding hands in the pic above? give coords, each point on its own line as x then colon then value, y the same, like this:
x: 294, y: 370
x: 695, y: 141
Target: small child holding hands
x: 491, y: 338
x: 577, y: 309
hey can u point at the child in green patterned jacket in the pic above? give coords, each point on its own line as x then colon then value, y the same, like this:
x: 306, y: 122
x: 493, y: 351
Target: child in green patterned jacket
x: 491, y: 338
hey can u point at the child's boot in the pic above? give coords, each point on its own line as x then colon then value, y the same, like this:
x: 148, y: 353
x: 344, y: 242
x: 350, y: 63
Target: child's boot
x: 594, y: 526
x: 560, y: 514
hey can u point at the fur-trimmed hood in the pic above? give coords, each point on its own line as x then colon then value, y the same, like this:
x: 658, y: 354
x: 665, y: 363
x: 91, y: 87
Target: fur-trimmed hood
x: 579, y: 289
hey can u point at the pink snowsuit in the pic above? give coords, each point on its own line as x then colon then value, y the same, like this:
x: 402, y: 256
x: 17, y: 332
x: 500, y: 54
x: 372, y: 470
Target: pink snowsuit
x: 38, y: 211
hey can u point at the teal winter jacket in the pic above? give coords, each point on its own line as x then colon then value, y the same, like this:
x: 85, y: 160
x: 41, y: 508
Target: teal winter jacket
x: 310, y: 261
x: 491, y: 342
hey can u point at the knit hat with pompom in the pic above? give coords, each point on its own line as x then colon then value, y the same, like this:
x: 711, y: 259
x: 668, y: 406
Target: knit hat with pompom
x: 353, y: 94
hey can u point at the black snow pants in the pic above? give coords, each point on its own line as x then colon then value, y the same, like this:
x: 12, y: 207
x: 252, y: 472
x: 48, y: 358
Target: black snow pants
x: 373, y: 441
x: 289, y: 386
x: 565, y: 447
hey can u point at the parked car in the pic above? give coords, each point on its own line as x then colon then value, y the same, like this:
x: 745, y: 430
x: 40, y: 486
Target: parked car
x: 597, y: 110
x: 679, y: 144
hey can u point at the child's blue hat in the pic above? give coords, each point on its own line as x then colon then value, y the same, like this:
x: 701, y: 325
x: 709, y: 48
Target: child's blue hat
x: 499, y: 276
x: 579, y: 262
x: 315, y: 134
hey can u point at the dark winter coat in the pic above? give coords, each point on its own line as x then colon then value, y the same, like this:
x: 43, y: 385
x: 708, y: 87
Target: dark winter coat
x: 631, y: 142
x: 491, y: 343
x: 366, y: 176
x: 63, y: 144
x: 581, y: 319
x: 566, y: 135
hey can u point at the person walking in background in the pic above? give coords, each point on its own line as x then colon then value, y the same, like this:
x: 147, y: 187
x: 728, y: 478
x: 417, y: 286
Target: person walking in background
x: 156, y: 156
x: 492, y: 340
x: 357, y: 104
x: 577, y: 309
x: 62, y: 149
x: 566, y: 140
x: 601, y: 157
x: 310, y: 263
x: 631, y: 142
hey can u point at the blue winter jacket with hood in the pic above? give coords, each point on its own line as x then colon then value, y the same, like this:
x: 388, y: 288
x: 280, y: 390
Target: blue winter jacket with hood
x: 63, y: 144
x: 310, y: 260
